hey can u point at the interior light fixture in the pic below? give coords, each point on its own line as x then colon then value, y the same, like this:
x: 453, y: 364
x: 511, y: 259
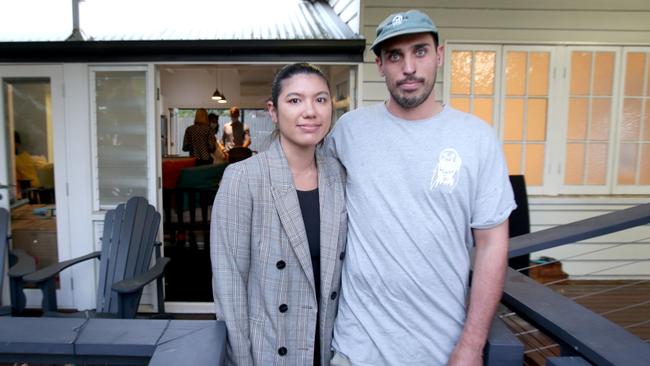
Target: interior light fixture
x: 217, y: 95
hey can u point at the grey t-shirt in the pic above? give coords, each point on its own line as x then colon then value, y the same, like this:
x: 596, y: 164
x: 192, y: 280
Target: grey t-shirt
x: 415, y: 190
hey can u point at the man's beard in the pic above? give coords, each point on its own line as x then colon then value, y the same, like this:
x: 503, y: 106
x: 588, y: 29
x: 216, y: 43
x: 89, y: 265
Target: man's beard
x: 408, y: 102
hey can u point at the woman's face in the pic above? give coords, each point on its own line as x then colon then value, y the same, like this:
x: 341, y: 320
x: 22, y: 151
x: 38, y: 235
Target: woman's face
x: 304, y: 111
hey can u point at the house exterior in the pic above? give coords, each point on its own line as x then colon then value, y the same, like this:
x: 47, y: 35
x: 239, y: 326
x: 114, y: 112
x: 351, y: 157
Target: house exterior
x: 566, y: 85
x: 101, y: 90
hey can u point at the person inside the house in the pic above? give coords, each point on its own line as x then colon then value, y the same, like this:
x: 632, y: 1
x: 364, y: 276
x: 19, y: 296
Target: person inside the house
x: 213, y: 121
x: 26, y: 169
x: 218, y: 157
x: 235, y: 133
x: 416, y: 213
x: 278, y: 234
x: 199, y: 139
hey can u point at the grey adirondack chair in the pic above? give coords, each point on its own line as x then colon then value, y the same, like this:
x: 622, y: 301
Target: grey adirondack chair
x: 128, y: 242
x: 20, y: 264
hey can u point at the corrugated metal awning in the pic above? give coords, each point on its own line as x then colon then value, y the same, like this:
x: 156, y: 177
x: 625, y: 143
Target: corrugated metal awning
x: 191, y: 30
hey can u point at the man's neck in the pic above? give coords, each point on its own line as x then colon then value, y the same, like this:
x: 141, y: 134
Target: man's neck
x: 427, y: 109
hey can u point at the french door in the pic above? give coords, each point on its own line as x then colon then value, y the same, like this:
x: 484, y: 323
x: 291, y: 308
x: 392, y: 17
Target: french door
x: 33, y: 169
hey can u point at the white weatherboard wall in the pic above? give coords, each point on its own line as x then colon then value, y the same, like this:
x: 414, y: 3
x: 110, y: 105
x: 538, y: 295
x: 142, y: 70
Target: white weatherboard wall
x: 624, y: 254
x: 588, y: 22
x: 348, y: 11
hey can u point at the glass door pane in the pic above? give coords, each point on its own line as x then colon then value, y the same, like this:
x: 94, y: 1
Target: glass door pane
x: 525, y: 112
x: 590, y: 106
x: 634, y: 131
x: 28, y: 128
x: 472, y: 79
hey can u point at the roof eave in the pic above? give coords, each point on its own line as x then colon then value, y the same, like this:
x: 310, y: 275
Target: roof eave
x: 348, y: 50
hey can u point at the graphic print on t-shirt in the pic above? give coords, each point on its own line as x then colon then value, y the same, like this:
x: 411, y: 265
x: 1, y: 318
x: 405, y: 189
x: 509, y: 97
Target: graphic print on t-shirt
x: 445, y: 174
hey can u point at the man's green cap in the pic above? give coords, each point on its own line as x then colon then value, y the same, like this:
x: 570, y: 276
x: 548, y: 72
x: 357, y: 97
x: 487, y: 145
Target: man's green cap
x: 399, y: 24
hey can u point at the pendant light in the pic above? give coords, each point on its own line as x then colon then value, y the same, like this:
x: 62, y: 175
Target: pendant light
x: 217, y: 95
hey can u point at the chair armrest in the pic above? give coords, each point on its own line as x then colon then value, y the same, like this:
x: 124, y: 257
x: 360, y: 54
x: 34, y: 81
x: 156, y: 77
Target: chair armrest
x: 24, y: 264
x: 52, y: 270
x: 136, y: 283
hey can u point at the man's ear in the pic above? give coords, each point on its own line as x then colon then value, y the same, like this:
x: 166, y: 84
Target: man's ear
x: 272, y: 111
x: 440, y: 53
x: 379, y: 65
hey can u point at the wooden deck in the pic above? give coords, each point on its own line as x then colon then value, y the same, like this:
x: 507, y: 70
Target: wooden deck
x: 624, y: 302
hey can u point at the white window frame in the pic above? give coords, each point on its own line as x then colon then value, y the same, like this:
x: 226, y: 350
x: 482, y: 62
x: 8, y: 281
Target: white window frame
x: 620, y: 188
x: 613, y: 130
x: 549, y: 177
x: 557, y: 114
x: 61, y: 138
x: 150, y: 131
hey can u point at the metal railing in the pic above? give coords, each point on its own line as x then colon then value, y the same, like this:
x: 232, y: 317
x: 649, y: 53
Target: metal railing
x: 579, y: 331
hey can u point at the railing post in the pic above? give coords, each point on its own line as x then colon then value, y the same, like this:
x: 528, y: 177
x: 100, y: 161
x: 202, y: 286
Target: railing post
x: 502, y: 347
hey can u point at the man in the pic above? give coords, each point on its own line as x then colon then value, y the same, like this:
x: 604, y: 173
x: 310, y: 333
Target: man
x: 235, y: 133
x: 426, y: 186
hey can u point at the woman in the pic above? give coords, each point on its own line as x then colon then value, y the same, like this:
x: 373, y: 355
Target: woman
x: 199, y: 139
x: 278, y: 234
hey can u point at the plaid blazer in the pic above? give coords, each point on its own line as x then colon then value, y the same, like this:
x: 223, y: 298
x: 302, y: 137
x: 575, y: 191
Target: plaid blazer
x: 263, y: 282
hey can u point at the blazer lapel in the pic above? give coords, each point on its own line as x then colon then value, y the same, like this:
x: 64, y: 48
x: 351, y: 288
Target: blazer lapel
x: 330, y: 208
x: 286, y: 203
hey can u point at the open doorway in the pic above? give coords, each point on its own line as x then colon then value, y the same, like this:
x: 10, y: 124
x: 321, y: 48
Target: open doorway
x: 188, y: 190
x: 188, y: 193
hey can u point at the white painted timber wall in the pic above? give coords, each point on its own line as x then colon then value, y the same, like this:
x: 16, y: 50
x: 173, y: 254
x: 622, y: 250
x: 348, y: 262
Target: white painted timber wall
x: 624, y: 254
x: 348, y: 11
x: 592, y: 22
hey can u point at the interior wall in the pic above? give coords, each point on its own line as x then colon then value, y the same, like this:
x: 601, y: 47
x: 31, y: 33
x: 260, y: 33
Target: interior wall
x: 193, y: 88
x: 246, y: 86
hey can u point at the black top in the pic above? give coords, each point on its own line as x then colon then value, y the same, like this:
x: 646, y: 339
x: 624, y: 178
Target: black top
x: 310, y: 208
x: 199, y: 140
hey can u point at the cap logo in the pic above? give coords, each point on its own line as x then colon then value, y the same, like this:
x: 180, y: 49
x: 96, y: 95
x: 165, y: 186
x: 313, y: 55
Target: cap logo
x: 397, y: 20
